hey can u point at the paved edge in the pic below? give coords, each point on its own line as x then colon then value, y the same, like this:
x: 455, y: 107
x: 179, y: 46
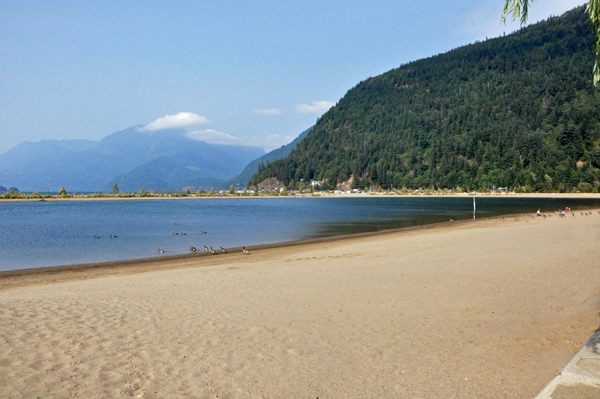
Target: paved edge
x: 582, y: 369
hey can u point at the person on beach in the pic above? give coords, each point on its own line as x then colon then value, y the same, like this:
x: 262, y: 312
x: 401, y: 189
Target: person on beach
x: 539, y: 213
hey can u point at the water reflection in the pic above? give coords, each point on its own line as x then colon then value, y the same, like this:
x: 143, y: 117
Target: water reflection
x: 59, y: 233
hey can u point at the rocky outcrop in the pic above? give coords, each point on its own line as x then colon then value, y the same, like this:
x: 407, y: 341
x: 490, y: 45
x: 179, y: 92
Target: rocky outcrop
x: 346, y: 185
x: 270, y: 184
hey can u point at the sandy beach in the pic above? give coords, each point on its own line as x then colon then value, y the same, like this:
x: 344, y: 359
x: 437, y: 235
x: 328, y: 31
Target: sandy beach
x: 486, y: 309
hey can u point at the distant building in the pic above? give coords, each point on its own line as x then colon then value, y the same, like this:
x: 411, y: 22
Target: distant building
x: 317, y: 183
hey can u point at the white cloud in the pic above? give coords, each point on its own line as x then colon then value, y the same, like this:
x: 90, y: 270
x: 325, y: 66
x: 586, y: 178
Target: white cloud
x: 269, y: 142
x: 318, y: 107
x: 182, y: 119
x: 485, y: 21
x: 213, y: 137
x: 267, y: 112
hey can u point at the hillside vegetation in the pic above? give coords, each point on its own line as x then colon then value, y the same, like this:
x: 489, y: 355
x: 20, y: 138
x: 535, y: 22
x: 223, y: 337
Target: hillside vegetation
x: 517, y: 111
x: 259, y: 163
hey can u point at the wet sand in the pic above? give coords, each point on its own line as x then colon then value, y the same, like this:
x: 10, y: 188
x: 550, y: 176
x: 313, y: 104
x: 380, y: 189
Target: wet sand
x: 488, y: 309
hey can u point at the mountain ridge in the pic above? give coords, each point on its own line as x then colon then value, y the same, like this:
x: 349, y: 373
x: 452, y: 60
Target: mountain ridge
x: 83, y: 165
x: 244, y: 177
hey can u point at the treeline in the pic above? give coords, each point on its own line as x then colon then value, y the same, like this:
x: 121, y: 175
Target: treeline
x: 517, y: 111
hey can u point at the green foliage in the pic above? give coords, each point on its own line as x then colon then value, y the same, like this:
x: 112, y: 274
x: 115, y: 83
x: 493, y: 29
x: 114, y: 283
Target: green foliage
x: 212, y: 191
x: 116, y: 189
x: 188, y: 191
x: 231, y: 190
x: 519, y: 9
x: 62, y: 192
x: 513, y: 111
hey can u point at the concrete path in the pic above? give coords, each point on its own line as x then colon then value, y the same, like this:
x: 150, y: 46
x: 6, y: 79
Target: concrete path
x: 580, y: 378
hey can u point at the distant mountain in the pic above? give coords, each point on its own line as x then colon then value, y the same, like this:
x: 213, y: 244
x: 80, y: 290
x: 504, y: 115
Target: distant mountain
x: 205, y: 166
x: 518, y: 110
x: 81, y: 165
x: 47, y: 150
x: 280, y: 153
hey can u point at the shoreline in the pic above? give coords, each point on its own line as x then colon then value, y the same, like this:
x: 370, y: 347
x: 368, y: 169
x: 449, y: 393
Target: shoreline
x: 315, y: 196
x: 159, y: 260
x: 139, y: 265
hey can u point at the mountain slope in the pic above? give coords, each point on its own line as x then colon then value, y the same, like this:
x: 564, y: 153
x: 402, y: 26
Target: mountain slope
x: 272, y: 156
x: 205, y: 165
x: 515, y: 111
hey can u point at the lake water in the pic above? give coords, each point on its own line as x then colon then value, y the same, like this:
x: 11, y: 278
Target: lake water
x: 61, y: 233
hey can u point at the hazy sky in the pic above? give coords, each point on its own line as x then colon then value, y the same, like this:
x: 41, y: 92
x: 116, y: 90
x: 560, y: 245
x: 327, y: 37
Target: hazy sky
x: 248, y: 72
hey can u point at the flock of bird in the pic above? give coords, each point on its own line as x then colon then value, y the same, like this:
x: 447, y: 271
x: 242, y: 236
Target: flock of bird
x: 193, y: 249
x: 213, y: 251
x: 206, y: 249
x: 544, y: 216
x: 246, y: 252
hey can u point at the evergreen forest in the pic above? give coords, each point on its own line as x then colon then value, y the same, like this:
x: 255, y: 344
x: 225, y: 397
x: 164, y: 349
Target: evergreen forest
x: 515, y: 111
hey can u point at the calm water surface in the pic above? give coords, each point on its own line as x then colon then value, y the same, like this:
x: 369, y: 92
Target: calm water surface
x: 61, y: 233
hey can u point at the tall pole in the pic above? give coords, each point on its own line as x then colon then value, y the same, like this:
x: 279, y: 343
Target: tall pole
x: 474, y: 208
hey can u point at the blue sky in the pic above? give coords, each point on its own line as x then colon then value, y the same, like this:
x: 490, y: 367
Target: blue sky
x: 241, y: 72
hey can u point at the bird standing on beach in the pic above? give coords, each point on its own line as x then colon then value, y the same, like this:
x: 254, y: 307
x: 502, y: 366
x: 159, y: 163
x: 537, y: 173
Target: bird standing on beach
x: 246, y: 252
x: 223, y: 250
x: 160, y: 251
x: 213, y: 251
x: 192, y: 249
x: 205, y: 248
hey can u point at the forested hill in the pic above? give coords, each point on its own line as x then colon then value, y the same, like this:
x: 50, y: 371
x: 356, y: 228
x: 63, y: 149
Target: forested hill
x: 518, y: 110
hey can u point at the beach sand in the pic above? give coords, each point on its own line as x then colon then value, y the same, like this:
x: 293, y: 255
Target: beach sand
x: 488, y: 309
